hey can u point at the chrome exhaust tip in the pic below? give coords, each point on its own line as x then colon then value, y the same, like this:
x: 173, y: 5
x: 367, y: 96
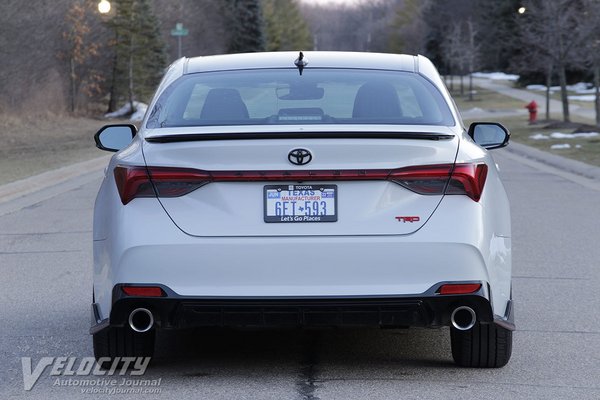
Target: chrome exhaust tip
x: 463, y: 318
x: 141, y: 320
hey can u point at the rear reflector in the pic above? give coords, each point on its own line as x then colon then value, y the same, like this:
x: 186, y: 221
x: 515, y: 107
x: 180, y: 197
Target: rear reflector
x: 143, y: 291
x: 461, y: 288
x: 461, y: 179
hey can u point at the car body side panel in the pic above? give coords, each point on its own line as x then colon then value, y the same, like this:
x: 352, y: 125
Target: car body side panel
x: 495, y: 224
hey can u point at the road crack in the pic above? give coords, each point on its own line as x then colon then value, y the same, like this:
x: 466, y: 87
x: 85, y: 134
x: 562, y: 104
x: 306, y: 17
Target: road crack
x: 306, y: 385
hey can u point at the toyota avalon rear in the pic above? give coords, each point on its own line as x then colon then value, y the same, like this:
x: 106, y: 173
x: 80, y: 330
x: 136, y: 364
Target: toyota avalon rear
x: 326, y: 189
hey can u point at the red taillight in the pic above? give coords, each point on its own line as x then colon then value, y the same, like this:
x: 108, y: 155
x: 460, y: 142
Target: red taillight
x: 460, y: 288
x: 465, y: 179
x: 135, y: 181
x: 143, y: 291
x: 430, y: 179
x: 132, y: 182
x: 468, y: 179
x: 175, y: 182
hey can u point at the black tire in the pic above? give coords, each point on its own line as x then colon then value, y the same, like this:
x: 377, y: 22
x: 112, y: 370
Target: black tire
x: 483, y: 346
x: 123, y: 342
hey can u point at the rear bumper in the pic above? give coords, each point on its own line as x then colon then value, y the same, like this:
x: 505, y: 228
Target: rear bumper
x: 173, y: 311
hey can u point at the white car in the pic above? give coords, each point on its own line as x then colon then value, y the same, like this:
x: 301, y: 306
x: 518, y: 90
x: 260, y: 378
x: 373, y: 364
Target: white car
x: 285, y: 190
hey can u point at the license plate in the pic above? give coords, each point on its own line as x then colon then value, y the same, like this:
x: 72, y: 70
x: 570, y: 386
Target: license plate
x: 300, y: 203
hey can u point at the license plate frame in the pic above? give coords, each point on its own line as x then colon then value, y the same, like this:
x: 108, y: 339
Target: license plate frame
x: 326, y: 193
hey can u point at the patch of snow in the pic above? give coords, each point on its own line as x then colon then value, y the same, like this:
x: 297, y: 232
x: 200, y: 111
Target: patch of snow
x: 539, y: 136
x: 138, y: 114
x: 496, y: 76
x: 578, y: 146
x: 541, y: 88
x: 583, y: 97
x: 560, y: 146
x: 591, y: 90
x: 579, y: 86
x: 560, y: 135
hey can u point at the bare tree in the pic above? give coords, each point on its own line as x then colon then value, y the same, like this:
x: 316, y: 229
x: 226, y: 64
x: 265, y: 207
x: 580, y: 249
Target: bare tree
x: 79, y: 52
x: 452, y: 48
x: 534, y: 60
x: 551, y: 28
x: 471, y: 52
x: 461, y: 51
x: 590, y: 50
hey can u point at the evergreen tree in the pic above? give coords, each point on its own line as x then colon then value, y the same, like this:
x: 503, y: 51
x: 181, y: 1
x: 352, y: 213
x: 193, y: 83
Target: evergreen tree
x: 498, y: 33
x: 247, y: 26
x: 139, y: 52
x: 285, y: 26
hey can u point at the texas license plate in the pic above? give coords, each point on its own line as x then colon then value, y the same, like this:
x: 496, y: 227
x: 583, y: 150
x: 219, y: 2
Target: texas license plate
x: 300, y: 203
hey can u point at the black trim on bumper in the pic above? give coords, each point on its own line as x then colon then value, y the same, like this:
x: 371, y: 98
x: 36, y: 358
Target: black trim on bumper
x: 429, y: 309
x: 97, y: 323
x: 508, y: 321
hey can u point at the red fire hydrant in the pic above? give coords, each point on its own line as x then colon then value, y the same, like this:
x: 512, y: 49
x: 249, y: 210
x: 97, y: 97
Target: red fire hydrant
x: 532, y: 108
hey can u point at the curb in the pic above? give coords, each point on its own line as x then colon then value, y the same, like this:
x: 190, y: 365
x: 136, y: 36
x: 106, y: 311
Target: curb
x: 32, y: 190
x: 562, y: 163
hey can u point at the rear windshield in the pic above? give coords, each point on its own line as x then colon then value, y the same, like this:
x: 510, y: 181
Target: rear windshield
x: 283, y: 96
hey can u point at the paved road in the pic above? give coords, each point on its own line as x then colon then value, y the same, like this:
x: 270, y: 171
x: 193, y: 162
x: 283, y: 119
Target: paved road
x: 45, y: 257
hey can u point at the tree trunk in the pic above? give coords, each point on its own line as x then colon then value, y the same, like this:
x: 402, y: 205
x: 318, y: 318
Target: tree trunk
x: 548, y: 83
x: 451, y: 82
x: 562, y: 75
x: 73, y: 84
x: 470, y: 86
x: 131, y: 82
x: 131, y: 74
x: 131, y: 46
x: 597, y: 92
x: 112, y: 102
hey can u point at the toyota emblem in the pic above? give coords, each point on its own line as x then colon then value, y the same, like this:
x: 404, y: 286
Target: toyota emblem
x: 299, y: 156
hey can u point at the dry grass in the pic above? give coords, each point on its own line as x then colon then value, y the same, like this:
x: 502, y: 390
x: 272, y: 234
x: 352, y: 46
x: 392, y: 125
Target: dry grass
x: 33, y: 144
x: 487, y: 100
x: 521, y: 131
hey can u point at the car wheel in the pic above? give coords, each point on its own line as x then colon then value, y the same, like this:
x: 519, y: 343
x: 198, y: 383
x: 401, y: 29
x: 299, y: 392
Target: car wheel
x: 123, y: 342
x: 483, y: 346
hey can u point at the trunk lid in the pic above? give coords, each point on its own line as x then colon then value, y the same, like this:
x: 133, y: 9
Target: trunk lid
x: 364, y: 207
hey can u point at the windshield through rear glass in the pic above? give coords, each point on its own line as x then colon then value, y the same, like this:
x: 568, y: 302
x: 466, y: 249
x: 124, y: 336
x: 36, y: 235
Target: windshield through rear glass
x: 283, y: 96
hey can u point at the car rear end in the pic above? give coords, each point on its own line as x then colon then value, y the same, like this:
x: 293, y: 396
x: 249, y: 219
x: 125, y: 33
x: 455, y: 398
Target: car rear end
x: 271, y: 196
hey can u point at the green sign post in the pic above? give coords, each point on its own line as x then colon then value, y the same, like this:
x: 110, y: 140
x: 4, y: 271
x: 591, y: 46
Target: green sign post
x: 179, y: 32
